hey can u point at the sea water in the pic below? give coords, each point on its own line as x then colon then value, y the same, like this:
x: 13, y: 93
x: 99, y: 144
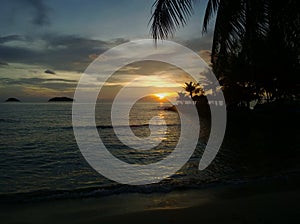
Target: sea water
x: 39, y: 156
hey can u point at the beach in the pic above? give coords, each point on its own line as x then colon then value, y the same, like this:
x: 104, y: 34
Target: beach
x: 261, y: 201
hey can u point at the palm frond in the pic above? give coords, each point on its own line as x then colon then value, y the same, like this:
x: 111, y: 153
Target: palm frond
x: 229, y: 28
x: 211, y: 9
x: 168, y: 16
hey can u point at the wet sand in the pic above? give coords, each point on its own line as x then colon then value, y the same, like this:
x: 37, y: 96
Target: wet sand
x: 267, y: 202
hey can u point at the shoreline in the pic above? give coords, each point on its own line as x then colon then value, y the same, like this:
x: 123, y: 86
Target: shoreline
x: 41, y: 196
x: 273, y: 201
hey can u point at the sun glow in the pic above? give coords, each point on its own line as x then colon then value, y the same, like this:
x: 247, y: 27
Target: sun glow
x: 161, y: 96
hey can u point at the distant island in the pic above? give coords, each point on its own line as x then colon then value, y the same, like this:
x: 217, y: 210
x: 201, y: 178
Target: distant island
x: 11, y: 99
x: 60, y: 99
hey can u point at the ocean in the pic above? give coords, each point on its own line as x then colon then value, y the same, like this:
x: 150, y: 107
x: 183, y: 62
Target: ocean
x: 40, y: 158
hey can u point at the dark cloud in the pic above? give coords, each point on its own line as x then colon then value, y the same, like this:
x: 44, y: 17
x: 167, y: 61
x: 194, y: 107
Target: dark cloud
x: 201, y: 43
x: 9, y: 38
x: 3, y: 63
x: 17, y: 54
x: 59, y: 52
x: 55, y: 84
x: 48, y: 71
x: 41, y: 12
x: 33, y: 81
x: 58, y: 86
x: 76, y: 43
x: 24, y: 13
x: 60, y: 80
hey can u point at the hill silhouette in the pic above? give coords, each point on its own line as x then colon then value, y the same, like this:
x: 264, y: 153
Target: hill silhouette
x: 60, y: 99
x: 12, y: 99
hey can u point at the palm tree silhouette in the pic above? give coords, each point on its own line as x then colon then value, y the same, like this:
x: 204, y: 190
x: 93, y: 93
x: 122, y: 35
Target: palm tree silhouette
x: 238, y: 22
x: 249, y: 41
x: 191, y: 88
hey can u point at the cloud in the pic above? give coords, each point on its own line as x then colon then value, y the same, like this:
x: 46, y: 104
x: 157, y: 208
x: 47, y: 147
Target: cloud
x: 69, y: 52
x: 201, y: 43
x: 24, y: 14
x: 17, y: 54
x: 41, y: 12
x: 48, y: 71
x: 61, y: 52
x: 37, y: 81
x: 206, y: 56
x: 17, y: 78
x: 3, y: 63
x: 9, y: 38
x: 93, y: 56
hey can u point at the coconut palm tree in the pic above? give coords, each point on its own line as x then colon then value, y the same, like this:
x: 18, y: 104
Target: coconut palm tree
x: 249, y: 41
x: 191, y: 88
x: 237, y: 22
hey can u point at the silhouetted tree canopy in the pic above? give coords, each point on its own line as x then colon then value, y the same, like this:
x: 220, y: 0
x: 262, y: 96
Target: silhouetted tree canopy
x: 256, y: 44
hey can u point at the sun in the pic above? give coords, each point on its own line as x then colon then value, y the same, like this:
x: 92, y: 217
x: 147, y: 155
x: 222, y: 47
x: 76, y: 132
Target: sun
x: 160, y: 96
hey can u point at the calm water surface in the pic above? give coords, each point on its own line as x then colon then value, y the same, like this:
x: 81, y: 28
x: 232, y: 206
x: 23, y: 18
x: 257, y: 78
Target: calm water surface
x: 38, y: 151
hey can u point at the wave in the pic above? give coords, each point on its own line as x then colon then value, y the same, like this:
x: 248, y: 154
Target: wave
x: 46, y: 195
x: 135, y: 126
x: 163, y: 187
x: 121, y: 126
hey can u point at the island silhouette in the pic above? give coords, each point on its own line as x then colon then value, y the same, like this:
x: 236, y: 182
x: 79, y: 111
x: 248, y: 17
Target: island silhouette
x: 12, y: 99
x: 60, y: 99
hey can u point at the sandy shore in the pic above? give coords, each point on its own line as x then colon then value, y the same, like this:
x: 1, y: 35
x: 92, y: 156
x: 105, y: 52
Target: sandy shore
x: 269, y: 202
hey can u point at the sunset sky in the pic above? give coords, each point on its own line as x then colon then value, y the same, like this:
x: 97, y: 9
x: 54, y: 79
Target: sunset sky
x: 46, y: 45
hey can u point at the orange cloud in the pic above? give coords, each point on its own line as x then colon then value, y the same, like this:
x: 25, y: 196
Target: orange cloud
x: 206, y: 56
